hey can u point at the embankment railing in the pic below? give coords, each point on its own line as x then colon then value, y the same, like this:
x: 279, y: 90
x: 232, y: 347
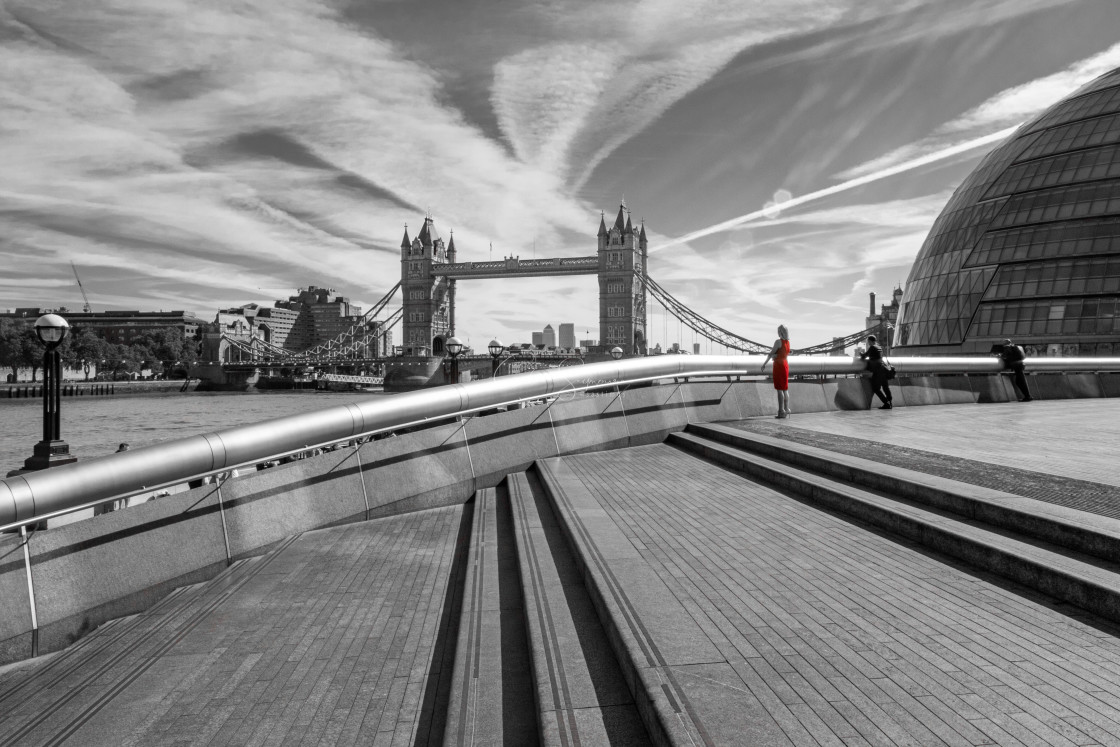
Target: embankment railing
x: 33, y: 497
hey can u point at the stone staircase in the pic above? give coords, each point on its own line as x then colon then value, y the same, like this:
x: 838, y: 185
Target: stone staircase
x: 1066, y: 554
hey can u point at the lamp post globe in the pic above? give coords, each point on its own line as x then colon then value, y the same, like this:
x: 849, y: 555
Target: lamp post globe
x: 454, y: 346
x: 52, y: 451
x: 616, y: 353
x: 51, y: 330
x: 496, y: 349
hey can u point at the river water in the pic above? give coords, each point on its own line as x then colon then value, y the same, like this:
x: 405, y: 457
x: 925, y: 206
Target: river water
x: 95, y: 426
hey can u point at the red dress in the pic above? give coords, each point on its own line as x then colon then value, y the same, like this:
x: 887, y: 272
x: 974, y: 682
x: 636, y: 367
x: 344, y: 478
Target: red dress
x: 781, y: 367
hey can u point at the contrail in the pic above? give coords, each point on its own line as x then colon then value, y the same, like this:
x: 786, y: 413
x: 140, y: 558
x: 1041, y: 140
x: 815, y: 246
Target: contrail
x: 842, y: 187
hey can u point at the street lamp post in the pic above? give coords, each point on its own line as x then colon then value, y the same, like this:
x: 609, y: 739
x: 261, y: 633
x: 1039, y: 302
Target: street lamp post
x: 496, y: 349
x: 616, y: 353
x: 52, y: 450
x: 454, y: 346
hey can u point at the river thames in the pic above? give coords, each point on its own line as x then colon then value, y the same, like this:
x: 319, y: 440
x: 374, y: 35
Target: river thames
x: 95, y: 426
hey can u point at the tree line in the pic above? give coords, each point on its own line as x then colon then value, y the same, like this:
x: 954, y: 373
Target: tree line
x: 158, y: 350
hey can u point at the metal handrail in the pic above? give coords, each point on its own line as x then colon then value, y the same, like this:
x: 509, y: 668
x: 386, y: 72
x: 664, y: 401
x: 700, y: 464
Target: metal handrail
x: 32, y: 497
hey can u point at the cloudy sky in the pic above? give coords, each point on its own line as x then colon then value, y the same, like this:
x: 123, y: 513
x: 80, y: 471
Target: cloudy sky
x: 197, y: 154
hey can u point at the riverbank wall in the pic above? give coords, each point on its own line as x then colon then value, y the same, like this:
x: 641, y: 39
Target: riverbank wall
x: 28, y: 390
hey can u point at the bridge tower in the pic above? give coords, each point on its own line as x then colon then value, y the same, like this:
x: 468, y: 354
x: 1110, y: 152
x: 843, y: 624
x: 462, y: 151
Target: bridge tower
x: 622, y: 286
x: 428, y: 299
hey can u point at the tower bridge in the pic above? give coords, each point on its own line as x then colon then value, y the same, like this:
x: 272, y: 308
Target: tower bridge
x: 430, y: 273
x: 517, y: 267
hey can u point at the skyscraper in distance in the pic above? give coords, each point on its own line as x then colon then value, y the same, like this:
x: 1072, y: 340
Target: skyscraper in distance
x: 549, y: 336
x: 567, y: 335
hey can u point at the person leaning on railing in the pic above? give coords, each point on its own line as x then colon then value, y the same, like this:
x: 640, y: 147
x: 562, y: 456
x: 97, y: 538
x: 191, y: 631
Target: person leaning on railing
x: 779, y: 351
x: 1012, y: 356
x: 880, y: 378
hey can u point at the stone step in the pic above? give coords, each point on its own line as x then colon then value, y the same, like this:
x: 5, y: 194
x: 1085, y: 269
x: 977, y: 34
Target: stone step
x: 1076, y: 578
x: 686, y: 691
x: 491, y: 700
x: 343, y: 633
x: 582, y: 695
x: 1082, y: 532
x: 90, y: 673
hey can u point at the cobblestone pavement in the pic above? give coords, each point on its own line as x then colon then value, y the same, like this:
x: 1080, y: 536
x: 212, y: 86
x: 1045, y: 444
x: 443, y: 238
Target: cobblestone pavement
x: 848, y: 637
x: 331, y: 640
x: 1059, y: 451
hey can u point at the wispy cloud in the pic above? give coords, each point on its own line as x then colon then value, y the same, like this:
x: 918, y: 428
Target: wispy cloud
x: 1005, y: 110
x: 884, y: 173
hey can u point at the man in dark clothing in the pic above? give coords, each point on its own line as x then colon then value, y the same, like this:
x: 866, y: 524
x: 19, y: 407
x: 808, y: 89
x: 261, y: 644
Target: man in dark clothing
x: 1012, y: 357
x: 880, y: 385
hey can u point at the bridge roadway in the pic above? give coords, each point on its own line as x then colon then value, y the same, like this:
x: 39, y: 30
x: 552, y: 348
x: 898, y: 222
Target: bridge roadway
x: 764, y: 619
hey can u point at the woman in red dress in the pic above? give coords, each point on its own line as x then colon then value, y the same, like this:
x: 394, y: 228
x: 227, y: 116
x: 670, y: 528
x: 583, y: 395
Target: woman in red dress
x: 780, y: 353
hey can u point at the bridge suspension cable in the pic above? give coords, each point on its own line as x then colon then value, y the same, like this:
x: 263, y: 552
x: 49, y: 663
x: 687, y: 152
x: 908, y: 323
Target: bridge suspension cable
x: 702, y: 326
x: 728, y: 339
x: 840, y: 342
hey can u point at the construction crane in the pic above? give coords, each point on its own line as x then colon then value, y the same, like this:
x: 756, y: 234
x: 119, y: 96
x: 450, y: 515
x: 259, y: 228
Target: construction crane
x: 85, y: 298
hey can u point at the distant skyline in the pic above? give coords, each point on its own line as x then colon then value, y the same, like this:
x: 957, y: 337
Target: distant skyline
x: 788, y: 158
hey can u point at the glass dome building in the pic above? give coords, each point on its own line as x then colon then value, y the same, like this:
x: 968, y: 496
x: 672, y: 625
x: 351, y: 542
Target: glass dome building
x: 1029, y: 245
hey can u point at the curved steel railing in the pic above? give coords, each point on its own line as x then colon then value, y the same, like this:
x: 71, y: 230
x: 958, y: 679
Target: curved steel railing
x: 31, y: 497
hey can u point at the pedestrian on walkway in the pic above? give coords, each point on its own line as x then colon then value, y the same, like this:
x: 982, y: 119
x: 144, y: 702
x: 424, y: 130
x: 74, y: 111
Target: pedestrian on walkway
x: 1012, y: 356
x: 780, y: 373
x: 880, y: 385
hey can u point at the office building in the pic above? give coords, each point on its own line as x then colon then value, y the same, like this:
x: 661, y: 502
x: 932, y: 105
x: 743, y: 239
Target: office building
x: 567, y: 335
x: 1029, y: 245
x: 122, y: 327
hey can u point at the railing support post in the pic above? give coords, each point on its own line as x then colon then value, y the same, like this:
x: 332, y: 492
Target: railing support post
x: 684, y: 405
x: 552, y: 427
x: 362, y: 475
x: 625, y: 419
x: 222, y: 513
x: 30, y: 592
x: 467, y: 444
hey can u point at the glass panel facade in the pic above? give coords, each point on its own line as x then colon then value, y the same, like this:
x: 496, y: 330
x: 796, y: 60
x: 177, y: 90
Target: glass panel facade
x: 1055, y: 318
x: 1101, y: 96
x: 1029, y: 244
x: 1085, y: 134
x: 945, y: 308
x: 1067, y: 277
x: 1067, y: 239
x: 1067, y: 168
x: 1063, y: 203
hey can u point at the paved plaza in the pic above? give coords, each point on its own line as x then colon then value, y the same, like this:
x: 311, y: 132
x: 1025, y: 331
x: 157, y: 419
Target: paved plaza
x: 1059, y: 451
